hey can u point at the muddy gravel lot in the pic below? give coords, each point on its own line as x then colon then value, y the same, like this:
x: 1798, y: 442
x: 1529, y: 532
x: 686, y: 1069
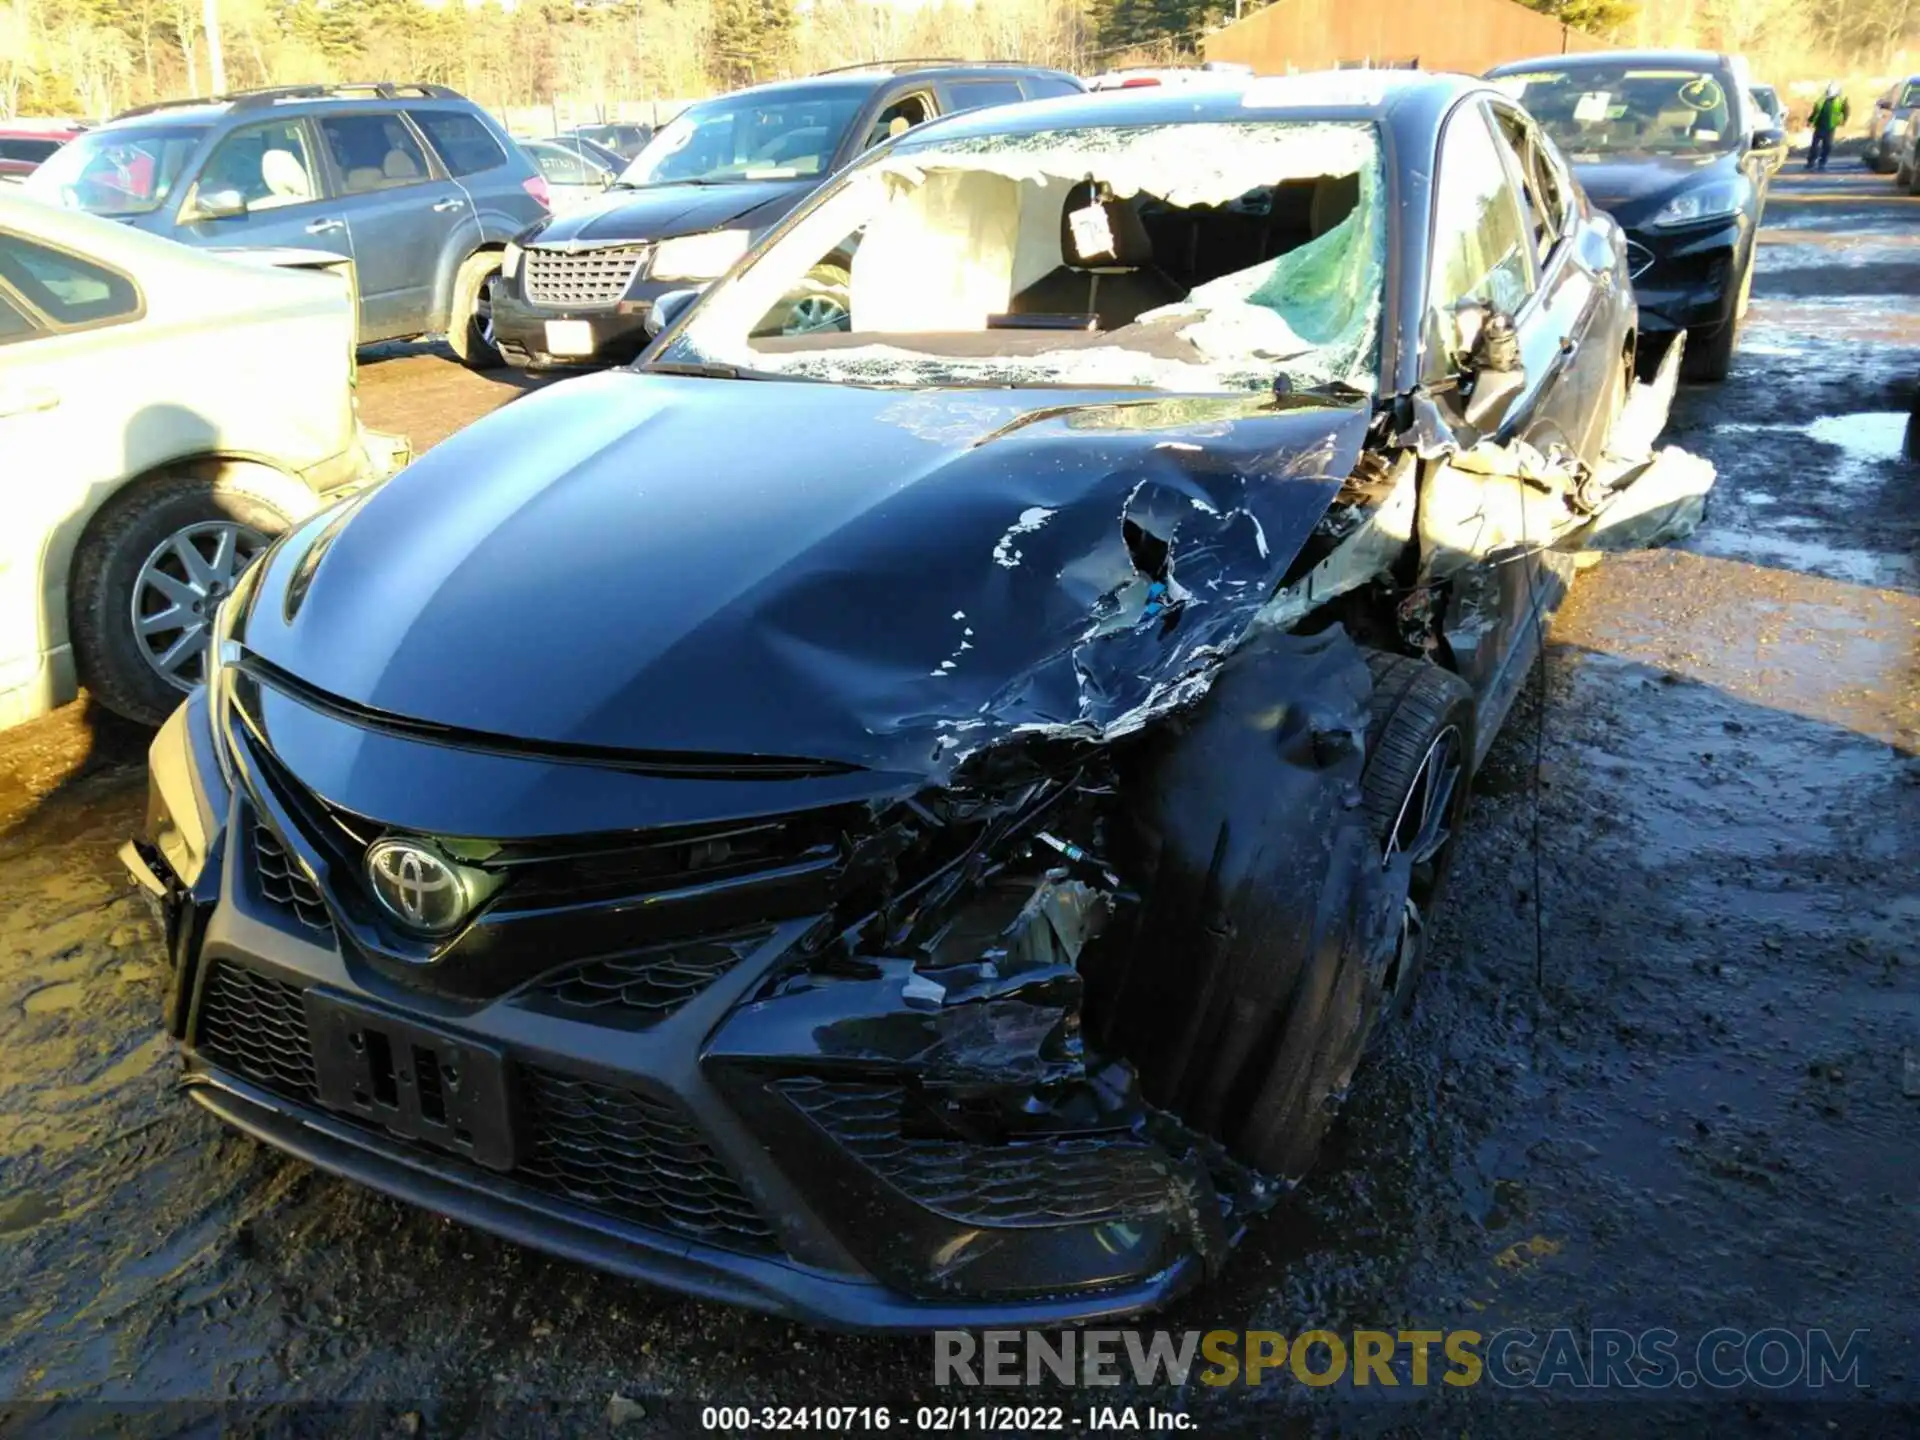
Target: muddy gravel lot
x: 1665, y: 1070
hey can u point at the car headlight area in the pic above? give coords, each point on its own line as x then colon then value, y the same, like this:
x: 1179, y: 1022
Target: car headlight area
x: 699, y: 257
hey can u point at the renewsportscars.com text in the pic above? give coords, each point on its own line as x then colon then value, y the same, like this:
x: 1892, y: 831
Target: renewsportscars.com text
x: 1776, y: 1358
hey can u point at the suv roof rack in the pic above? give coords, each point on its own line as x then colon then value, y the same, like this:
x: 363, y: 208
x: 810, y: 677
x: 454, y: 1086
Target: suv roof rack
x: 915, y: 62
x: 272, y: 94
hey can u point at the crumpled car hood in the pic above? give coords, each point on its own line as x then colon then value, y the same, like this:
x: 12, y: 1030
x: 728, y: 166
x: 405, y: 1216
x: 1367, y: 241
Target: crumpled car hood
x: 881, y: 578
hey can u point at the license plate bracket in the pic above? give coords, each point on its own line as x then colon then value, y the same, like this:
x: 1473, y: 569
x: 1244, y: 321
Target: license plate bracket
x: 418, y: 1081
x: 570, y: 337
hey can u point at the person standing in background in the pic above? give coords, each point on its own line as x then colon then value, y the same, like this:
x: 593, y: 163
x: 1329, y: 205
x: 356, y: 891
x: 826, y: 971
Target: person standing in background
x: 1828, y: 116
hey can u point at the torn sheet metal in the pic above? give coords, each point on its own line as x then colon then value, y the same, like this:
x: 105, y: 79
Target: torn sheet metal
x: 1378, y: 539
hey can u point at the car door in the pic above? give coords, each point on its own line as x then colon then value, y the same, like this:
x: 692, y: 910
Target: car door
x: 400, y: 208
x: 273, y: 169
x: 1571, y: 335
x: 64, y: 423
x: 897, y: 112
x: 1484, y: 261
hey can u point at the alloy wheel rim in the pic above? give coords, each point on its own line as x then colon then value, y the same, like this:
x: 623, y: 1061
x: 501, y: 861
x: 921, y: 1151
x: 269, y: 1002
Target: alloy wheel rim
x: 177, y: 589
x: 812, y: 314
x: 1422, y: 831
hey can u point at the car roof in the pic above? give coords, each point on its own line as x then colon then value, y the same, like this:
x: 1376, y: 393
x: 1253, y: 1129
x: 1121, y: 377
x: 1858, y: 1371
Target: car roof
x: 289, y: 100
x: 1322, y: 95
x: 1613, y: 59
x: 865, y: 78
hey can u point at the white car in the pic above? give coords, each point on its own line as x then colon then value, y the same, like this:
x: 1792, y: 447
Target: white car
x: 164, y: 412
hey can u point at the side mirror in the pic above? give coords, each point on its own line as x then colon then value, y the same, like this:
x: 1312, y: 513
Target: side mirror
x: 1487, y: 336
x: 219, y: 205
x: 1490, y: 356
x: 1768, y: 138
x: 669, y: 308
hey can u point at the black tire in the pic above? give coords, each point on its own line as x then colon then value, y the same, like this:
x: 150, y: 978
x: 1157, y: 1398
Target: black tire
x: 111, y: 658
x: 1709, y: 355
x: 469, y: 325
x: 1416, y: 705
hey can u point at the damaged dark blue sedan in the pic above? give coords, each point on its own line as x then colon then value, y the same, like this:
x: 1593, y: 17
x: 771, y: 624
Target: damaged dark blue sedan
x: 915, y: 822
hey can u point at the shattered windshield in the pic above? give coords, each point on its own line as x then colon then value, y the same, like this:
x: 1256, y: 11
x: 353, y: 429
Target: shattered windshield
x: 1200, y: 257
x: 1656, y: 110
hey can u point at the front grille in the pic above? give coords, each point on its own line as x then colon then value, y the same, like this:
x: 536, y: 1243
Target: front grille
x: 633, y: 1156
x: 1037, y: 1182
x: 1639, y: 259
x: 257, y: 1028
x: 581, y: 277
x: 641, y: 989
x: 285, y: 885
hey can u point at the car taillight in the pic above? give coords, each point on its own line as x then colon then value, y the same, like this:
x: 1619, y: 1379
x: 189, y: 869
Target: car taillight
x: 536, y: 186
x: 1139, y: 82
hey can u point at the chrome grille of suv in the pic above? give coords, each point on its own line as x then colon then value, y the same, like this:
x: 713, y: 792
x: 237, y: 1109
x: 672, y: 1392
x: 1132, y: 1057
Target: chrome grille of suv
x: 582, y: 277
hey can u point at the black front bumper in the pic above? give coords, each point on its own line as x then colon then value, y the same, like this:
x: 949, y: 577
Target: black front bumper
x: 618, y: 329
x: 1688, y: 278
x: 685, y: 1151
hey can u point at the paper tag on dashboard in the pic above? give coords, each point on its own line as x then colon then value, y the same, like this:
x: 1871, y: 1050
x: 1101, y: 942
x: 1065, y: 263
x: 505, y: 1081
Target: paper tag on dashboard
x: 1092, y: 234
x: 1591, y: 108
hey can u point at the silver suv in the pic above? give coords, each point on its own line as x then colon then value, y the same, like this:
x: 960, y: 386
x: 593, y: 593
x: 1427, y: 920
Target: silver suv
x: 419, y: 186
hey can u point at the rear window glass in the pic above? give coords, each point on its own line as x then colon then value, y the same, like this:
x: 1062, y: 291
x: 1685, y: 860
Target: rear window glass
x: 373, y: 152
x: 15, y: 149
x: 463, y: 142
x: 13, y: 324
x: 67, y: 289
x: 1045, y: 87
x: 978, y: 94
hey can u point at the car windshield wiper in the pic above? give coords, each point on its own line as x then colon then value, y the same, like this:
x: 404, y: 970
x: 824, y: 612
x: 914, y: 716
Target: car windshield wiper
x: 714, y: 370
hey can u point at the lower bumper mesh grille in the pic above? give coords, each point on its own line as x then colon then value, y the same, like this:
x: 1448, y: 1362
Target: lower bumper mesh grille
x: 635, y: 1157
x: 257, y: 1028
x: 1039, y: 1183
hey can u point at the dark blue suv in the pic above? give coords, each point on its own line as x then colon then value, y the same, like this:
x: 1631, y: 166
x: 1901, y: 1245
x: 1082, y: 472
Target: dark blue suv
x: 420, y: 186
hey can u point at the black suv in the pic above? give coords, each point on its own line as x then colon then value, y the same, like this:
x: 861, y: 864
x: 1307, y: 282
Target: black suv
x: 577, y: 289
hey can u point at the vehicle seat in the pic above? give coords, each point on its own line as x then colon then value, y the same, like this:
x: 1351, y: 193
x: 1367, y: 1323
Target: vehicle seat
x: 285, y: 179
x: 400, y: 166
x: 1115, y: 288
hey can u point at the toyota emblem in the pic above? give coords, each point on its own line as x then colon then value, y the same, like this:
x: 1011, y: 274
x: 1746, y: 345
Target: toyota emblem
x: 417, y: 887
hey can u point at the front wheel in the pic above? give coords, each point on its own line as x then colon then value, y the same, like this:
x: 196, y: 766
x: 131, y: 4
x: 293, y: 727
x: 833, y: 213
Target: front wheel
x: 1414, y: 792
x: 1709, y: 355
x: 152, y: 568
x: 470, y: 325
